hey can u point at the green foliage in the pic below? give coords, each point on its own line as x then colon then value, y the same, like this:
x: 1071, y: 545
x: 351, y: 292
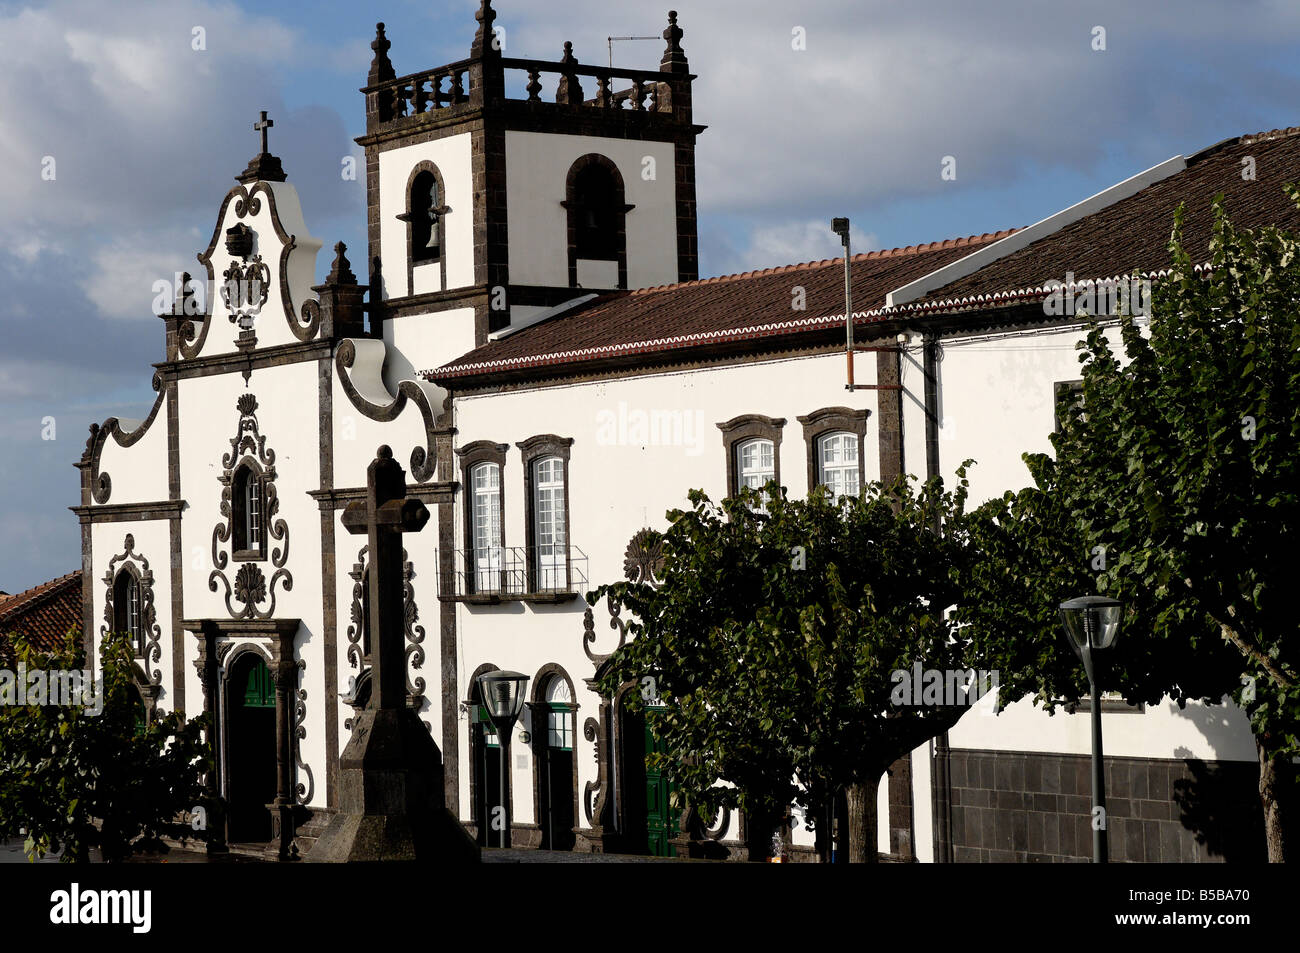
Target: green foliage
x: 74, y: 780
x: 773, y: 635
x: 1182, y: 464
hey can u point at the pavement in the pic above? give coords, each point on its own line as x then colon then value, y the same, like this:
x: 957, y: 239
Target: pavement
x: 11, y: 852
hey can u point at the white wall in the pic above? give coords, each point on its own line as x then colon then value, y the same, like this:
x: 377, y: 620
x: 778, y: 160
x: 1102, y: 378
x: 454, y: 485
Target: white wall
x: 616, y: 488
x: 452, y: 156
x: 537, y: 168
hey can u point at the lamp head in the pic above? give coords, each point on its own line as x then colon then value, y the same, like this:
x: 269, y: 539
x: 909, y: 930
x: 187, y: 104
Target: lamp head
x: 1091, y: 622
x: 503, y: 695
x: 840, y: 226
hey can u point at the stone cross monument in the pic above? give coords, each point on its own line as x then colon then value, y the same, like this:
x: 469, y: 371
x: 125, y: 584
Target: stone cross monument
x: 391, y: 793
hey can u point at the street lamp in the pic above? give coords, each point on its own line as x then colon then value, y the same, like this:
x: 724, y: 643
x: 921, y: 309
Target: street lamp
x: 840, y: 226
x: 503, y: 696
x: 1091, y: 624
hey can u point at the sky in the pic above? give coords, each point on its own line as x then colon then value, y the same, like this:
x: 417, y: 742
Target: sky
x: 123, y: 124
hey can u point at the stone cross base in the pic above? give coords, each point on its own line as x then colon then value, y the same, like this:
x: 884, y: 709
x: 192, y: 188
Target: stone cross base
x: 391, y: 798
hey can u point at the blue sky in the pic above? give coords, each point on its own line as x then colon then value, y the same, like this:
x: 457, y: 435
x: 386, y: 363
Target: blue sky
x: 147, y: 133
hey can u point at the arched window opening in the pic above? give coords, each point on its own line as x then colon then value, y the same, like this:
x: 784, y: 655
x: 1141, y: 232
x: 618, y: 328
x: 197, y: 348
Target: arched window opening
x: 127, y: 607
x: 248, y: 495
x: 599, y: 206
x: 755, y: 464
x: 549, y: 525
x: 595, y: 200
x: 425, y: 209
x: 837, y: 455
x: 485, y: 527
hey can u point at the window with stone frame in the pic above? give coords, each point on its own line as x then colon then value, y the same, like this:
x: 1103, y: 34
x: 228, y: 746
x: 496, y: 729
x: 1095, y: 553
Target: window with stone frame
x: 425, y: 209
x: 128, y: 602
x: 487, y: 553
x: 752, y: 444
x: 482, y: 465
x: 595, y: 200
x: 248, y: 525
x: 546, y: 481
x: 838, y: 463
x: 836, y: 442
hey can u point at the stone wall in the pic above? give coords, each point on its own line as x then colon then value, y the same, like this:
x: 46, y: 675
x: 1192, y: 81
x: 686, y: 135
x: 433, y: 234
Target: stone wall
x: 1029, y: 807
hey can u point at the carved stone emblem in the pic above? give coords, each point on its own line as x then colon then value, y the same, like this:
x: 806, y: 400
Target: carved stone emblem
x: 245, y: 290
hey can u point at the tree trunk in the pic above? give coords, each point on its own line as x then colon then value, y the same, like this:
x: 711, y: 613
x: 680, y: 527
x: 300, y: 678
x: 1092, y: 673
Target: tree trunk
x: 1275, y: 782
x: 862, y: 821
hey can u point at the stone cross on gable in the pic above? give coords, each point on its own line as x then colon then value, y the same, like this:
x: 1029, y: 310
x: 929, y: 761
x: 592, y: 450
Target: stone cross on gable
x: 261, y: 126
x: 384, y: 516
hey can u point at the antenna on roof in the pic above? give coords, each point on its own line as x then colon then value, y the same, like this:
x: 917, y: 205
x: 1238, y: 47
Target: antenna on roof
x: 610, y: 41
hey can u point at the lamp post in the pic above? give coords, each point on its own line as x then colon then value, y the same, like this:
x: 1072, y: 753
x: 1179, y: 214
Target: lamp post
x: 840, y: 226
x: 1091, y: 624
x: 503, y: 696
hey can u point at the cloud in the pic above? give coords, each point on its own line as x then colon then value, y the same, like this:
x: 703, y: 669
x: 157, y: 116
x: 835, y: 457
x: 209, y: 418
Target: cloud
x: 123, y: 272
x: 883, y: 91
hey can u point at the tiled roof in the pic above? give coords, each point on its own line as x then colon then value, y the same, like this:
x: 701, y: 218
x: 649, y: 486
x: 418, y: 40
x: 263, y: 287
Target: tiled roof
x: 757, y: 304
x: 43, y: 614
x: 1132, y: 235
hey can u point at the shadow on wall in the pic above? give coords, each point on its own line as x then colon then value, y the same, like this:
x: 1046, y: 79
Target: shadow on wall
x: 1225, y: 727
x: 1220, y: 807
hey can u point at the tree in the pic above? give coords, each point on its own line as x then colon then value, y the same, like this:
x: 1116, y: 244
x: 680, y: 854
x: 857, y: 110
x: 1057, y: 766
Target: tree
x: 777, y: 639
x: 1174, y: 488
x: 75, y: 779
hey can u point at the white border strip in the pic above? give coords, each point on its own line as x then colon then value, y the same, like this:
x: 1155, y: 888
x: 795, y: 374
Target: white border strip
x: 541, y: 316
x: 976, y: 260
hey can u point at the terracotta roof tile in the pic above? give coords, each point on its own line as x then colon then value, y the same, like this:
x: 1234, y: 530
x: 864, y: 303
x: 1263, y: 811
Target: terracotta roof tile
x: 756, y: 304
x: 44, y: 614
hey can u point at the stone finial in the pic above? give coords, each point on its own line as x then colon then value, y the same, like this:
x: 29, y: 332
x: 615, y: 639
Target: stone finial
x: 674, y: 60
x: 483, y: 45
x: 381, y: 67
x: 569, y: 89
x: 341, y: 268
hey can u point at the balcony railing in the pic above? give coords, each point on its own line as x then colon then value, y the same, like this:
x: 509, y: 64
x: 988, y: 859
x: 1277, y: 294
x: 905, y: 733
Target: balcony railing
x: 501, y: 574
x: 453, y: 86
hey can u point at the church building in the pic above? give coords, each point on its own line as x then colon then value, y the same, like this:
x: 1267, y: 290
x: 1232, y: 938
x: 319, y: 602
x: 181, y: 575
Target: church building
x: 534, y: 343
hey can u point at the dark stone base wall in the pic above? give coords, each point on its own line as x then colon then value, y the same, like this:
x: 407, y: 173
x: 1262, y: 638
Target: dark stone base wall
x: 1020, y: 807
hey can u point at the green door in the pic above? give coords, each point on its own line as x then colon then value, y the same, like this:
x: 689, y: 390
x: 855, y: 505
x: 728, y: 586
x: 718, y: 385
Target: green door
x: 660, y: 820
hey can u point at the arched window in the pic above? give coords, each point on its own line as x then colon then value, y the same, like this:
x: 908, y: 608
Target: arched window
x: 485, y: 526
x: 753, y: 452
x: 425, y: 208
x: 837, y: 455
x: 755, y: 464
x: 595, y: 201
x: 127, y: 602
x: 549, y: 524
x: 835, y: 438
x: 598, y: 201
x: 248, y: 526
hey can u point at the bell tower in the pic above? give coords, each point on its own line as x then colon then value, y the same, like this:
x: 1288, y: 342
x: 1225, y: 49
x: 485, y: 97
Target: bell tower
x: 500, y: 189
